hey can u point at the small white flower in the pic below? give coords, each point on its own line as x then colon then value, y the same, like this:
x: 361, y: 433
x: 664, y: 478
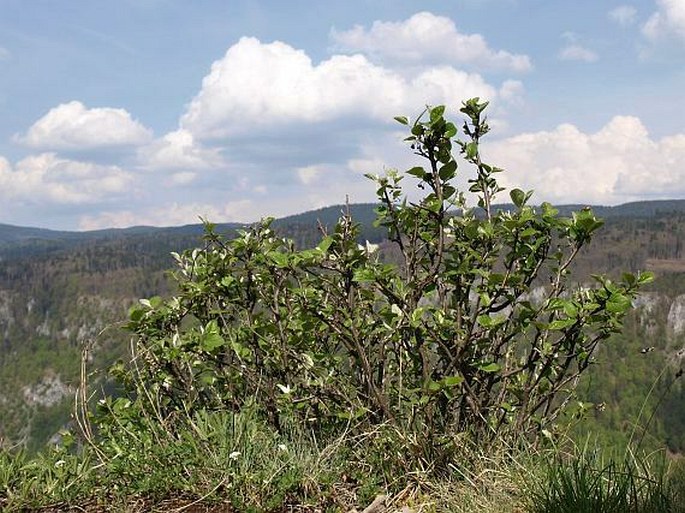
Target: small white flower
x: 284, y: 388
x: 282, y: 447
x: 234, y: 455
x: 59, y: 463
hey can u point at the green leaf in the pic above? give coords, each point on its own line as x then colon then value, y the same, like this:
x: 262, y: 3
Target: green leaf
x: 491, y: 322
x: 278, y: 258
x: 489, y: 367
x: 325, y: 244
x: 436, y: 113
x: 434, y: 386
x: 416, y: 316
x: 485, y: 321
x: 156, y: 301
x: 452, y: 381
x: 471, y: 150
x: 570, y: 309
x: 364, y: 275
x: 240, y: 350
x: 560, y: 324
x: 211, y: 339
x: 518, y: 197
x: 645, y: 277
x: 618, y: 303
x: 136, y: 314
x: 401, y: 119
x: 548, y: 210
x: 418, y: 172
x: 448, y: 171
x: 351, y: 415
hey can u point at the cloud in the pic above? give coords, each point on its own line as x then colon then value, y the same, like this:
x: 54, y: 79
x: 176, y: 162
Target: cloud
x: 669, y: 18
x: 178, y: 150
x: 269, y: 132
x: 48, y: 178
x: 5, y: 54
x: 259, y: 87
x: 426, y: 37
x: 72, y: 126
x: 623, y: 15
x: 512, y: 92
x: 619, y: 163
x: 309, y: 174
x: 5, y: 167
x: 181, y: 178
x: 174, y: 214
x: 576, y: 52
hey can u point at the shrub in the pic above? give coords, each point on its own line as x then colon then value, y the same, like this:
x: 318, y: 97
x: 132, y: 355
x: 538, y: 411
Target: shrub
x: 447, y: 340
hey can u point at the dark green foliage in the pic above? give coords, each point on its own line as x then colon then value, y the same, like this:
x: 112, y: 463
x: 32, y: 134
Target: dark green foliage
x: 448, y: 341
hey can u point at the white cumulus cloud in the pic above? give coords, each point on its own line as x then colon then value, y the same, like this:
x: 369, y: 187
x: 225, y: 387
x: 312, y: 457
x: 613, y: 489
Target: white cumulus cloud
x: 669, y: 18
x: 576, y: 52
x: 256, y: 86
x: 618, y: 163
x: 425, y: 37
x: 623, y: 15
x: 49, y: 178
x: 178, y: 150
x: 73, y: 126
x: 512, y: 92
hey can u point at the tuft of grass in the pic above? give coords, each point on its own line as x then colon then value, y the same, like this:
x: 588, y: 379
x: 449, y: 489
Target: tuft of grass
x: 586, y: 482
x: 55, y: 475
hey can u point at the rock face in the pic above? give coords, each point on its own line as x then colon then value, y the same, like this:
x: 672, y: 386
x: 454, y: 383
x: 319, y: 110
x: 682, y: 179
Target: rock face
x: 40, y: 342
x: 660, y: 313
x: 647, y: 305
x: 676, y: 316
x: 48, y: 392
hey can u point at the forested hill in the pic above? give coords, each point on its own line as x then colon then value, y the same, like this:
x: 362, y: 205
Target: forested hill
x: 59, y: 290
x: 636, y: 209
x: 363, y: 213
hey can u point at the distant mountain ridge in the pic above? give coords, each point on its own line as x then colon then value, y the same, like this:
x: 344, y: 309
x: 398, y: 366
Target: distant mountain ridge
x: 634, y: 209
x: 361, y: 212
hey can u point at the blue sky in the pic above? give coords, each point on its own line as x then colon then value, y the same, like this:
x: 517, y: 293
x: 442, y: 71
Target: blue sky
x: 156, y: 112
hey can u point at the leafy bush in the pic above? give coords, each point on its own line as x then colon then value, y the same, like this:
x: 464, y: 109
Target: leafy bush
x: 448, y: 340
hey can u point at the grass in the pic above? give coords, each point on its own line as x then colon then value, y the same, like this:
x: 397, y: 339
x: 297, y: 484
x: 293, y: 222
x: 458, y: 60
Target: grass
x: 586, y: 481
x: 232, y: 462
x: 235, y: 462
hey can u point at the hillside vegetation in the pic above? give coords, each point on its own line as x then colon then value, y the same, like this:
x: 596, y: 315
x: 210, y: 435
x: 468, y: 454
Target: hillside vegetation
x: 285, y: 365
x: 43, y: 332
